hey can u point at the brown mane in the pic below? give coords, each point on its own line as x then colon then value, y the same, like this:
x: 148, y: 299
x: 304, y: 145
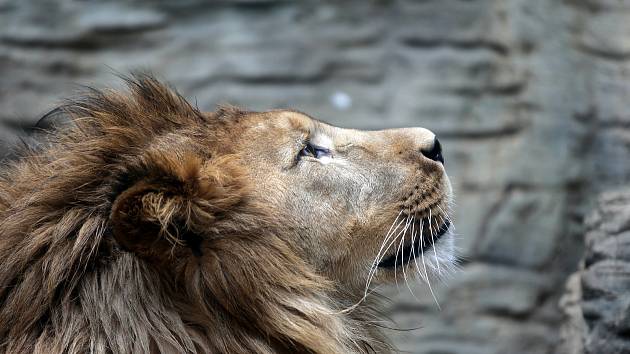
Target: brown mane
x: 68, y: 283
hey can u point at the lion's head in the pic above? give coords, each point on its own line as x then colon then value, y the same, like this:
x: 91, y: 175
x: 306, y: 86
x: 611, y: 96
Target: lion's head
x: 339, y: 192
x: 149, y: 226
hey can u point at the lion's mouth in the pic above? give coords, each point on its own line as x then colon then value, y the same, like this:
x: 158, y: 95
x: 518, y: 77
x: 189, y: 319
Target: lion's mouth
x: 411, y: 251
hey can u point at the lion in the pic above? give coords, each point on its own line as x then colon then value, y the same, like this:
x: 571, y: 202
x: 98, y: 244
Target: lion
x: 148, y: 226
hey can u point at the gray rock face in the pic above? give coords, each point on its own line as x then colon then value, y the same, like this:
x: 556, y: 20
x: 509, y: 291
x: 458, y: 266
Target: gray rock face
x: 596, y: 302
x: 606, y: 276
x: 528, y: 97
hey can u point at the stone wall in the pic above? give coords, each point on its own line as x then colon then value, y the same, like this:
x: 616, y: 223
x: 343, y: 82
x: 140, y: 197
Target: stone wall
x: 596, y: 304
x: 527, y: 97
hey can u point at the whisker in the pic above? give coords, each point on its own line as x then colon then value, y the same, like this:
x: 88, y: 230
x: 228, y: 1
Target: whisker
x: 437, y: 261
x: 402, y: 239
x: 425, y: 265
x: 374, y: 266
x: 445, y: 217
x: 448, y: 218
x: 381, y: 256
x: 412, y: 253
x: 391, y: 243
x: 404, y: 265
x: 396, y: 236
x: 415, y: 258
x: 385, y: 245
x: 389, y: 234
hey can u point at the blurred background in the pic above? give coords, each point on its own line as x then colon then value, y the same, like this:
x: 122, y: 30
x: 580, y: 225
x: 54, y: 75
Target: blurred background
x: 527, y: 96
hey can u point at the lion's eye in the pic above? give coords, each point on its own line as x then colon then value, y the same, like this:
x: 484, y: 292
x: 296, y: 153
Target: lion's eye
x: 314, y: 151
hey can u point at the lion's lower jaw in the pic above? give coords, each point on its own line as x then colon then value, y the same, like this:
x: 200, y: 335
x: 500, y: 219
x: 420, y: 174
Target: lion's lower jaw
x: 441, y: 259
x: 429, y: 267
x: 438, y: 263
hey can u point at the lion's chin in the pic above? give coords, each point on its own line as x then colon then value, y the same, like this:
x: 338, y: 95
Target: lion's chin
x: 419, y: 245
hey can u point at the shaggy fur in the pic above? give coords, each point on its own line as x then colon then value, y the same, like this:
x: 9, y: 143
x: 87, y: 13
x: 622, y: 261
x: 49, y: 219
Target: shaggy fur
x: 132, y: 232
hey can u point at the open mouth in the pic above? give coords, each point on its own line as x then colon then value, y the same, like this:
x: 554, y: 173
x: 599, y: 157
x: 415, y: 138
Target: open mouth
x: 410, y: 251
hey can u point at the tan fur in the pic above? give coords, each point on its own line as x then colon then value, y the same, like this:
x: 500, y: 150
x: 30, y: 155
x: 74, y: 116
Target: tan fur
x: 149, y: 226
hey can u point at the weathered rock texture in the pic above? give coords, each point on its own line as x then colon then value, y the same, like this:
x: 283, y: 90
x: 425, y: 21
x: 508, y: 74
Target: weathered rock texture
x: 597, y: 303
x: 527, y: 96
x: 606, y: 277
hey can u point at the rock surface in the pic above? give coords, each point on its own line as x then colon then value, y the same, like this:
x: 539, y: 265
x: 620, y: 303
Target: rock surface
x: 527, y: 96
x: 596, y: 304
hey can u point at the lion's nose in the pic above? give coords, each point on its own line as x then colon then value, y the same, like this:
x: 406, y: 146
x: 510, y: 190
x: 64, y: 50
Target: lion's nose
x: 434, y: 152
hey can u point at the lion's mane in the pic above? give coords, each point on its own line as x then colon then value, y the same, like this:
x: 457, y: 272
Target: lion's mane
x: 67, y: 285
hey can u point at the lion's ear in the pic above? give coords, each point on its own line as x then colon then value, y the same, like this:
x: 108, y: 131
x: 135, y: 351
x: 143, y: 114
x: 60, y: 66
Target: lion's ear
x: 174, y: 204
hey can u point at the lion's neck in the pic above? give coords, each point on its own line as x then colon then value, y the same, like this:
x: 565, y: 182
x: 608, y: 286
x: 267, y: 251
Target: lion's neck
x: 285, y: 321
x: 126, y: 308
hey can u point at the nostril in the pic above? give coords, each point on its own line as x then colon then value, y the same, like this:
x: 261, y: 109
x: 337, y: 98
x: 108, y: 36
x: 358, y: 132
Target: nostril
x: 435, y: 153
